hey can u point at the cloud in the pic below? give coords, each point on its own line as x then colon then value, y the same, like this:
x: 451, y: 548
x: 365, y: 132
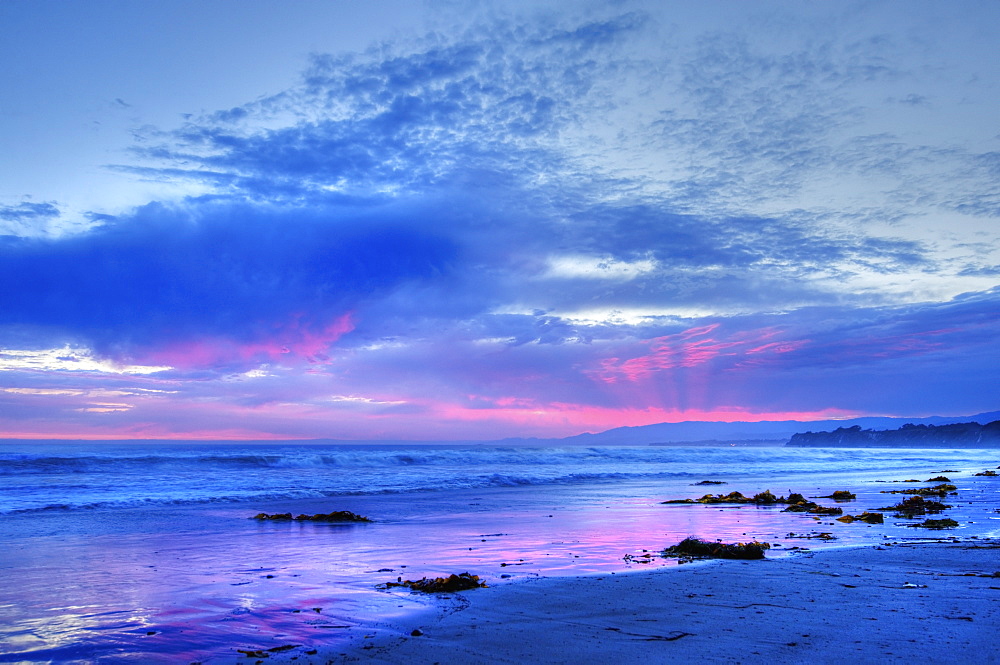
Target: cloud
x: 414, y: 192
x: 28, y: 211
x: 243, y: 282
x: 26, y: 217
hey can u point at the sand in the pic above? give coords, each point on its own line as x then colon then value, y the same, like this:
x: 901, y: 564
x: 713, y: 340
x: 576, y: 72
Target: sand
x: 929, y: 602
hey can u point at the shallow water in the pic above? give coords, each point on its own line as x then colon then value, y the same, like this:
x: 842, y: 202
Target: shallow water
x: 143, y: 554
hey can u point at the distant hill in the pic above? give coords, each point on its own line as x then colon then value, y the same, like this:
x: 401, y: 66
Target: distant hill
x: 958, y: 435
x: 699, y: 431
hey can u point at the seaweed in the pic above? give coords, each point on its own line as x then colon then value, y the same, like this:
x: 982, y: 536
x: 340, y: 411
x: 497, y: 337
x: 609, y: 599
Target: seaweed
x: 936, y: 524
x: 732, y: 497
x: 937, y: 490
x: 711, y: 482
x: 695, y: 547
x: 277, y: 517
x: 839, y: 495
x: 870, y: 518
x: 335, y: 516
x: 764, y: 498
x: 916, y: 505
x: 453, y: 582
x: 988, y: 473
x: 938, y: 479
x: 812, y: 508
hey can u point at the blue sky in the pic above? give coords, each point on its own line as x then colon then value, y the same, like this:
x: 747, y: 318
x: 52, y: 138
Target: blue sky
x: 479, y: 220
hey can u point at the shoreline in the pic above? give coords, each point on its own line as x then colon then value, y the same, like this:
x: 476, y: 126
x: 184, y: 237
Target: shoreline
x: 208, y: 584
x: 932, y: 601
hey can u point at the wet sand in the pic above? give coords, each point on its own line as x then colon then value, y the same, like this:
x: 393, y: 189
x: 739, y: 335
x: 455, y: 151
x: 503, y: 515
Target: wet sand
x: 929, y: 602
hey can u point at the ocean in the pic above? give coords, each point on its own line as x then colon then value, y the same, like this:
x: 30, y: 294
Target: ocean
x: 147, y: 552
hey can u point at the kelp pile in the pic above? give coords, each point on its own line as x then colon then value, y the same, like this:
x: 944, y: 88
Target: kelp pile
x: 870, y: 518
x: 937, y: 490
x: 988, y: 473
x: 764, y: 498
x: 459, y: 582
x: 796, y: 502
x: 799, y: 504
x: 335, y: 516
x: 695, y: 547
x: 936, y: 524
x: 839, y: 495
x: 916, y: 505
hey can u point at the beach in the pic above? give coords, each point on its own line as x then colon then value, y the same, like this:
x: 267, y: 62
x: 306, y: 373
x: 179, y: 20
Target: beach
x: 154, y: 554
x: 929, y: 602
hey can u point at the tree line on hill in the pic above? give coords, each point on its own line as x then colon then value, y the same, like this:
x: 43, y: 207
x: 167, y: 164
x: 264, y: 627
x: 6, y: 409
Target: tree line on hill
x: 957, y: 435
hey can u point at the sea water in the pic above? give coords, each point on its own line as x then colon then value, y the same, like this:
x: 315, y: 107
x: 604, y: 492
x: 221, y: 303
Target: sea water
x: 148, y: 552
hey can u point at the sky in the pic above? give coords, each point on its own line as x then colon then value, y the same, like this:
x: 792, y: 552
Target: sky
x: 469, y: 220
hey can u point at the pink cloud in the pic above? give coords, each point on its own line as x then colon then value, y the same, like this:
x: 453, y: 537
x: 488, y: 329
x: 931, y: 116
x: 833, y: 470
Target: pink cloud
x: 691, y: 348
x: 292, y: 339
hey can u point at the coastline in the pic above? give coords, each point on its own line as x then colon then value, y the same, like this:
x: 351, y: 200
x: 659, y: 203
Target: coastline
x: 927, y: 601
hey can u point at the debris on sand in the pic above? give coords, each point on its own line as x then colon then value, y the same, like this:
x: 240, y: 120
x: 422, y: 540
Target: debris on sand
x: 695, y: 547
x: 825, y: 535
x: 264, y: 653
x: 645, y: 557
x: 335, y: 516
x: 459, y: 582
x: 937, y: 524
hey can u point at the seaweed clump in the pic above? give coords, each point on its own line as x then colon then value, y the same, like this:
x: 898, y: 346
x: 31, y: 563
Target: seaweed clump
x: 839, y: 495
x: 695, y: 547
x: 799, y: 504
x: 870, y: 518
x: 937, y: 524
x: 335, y: 516
x: 937, y: 490
x: 764, y: 498
x: 459, y: 582
x: 989, y: 473
x: 916, y: 505
x: 938, y: 479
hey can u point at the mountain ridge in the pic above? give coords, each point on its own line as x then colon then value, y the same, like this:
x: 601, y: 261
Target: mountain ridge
x: 695, y: 430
